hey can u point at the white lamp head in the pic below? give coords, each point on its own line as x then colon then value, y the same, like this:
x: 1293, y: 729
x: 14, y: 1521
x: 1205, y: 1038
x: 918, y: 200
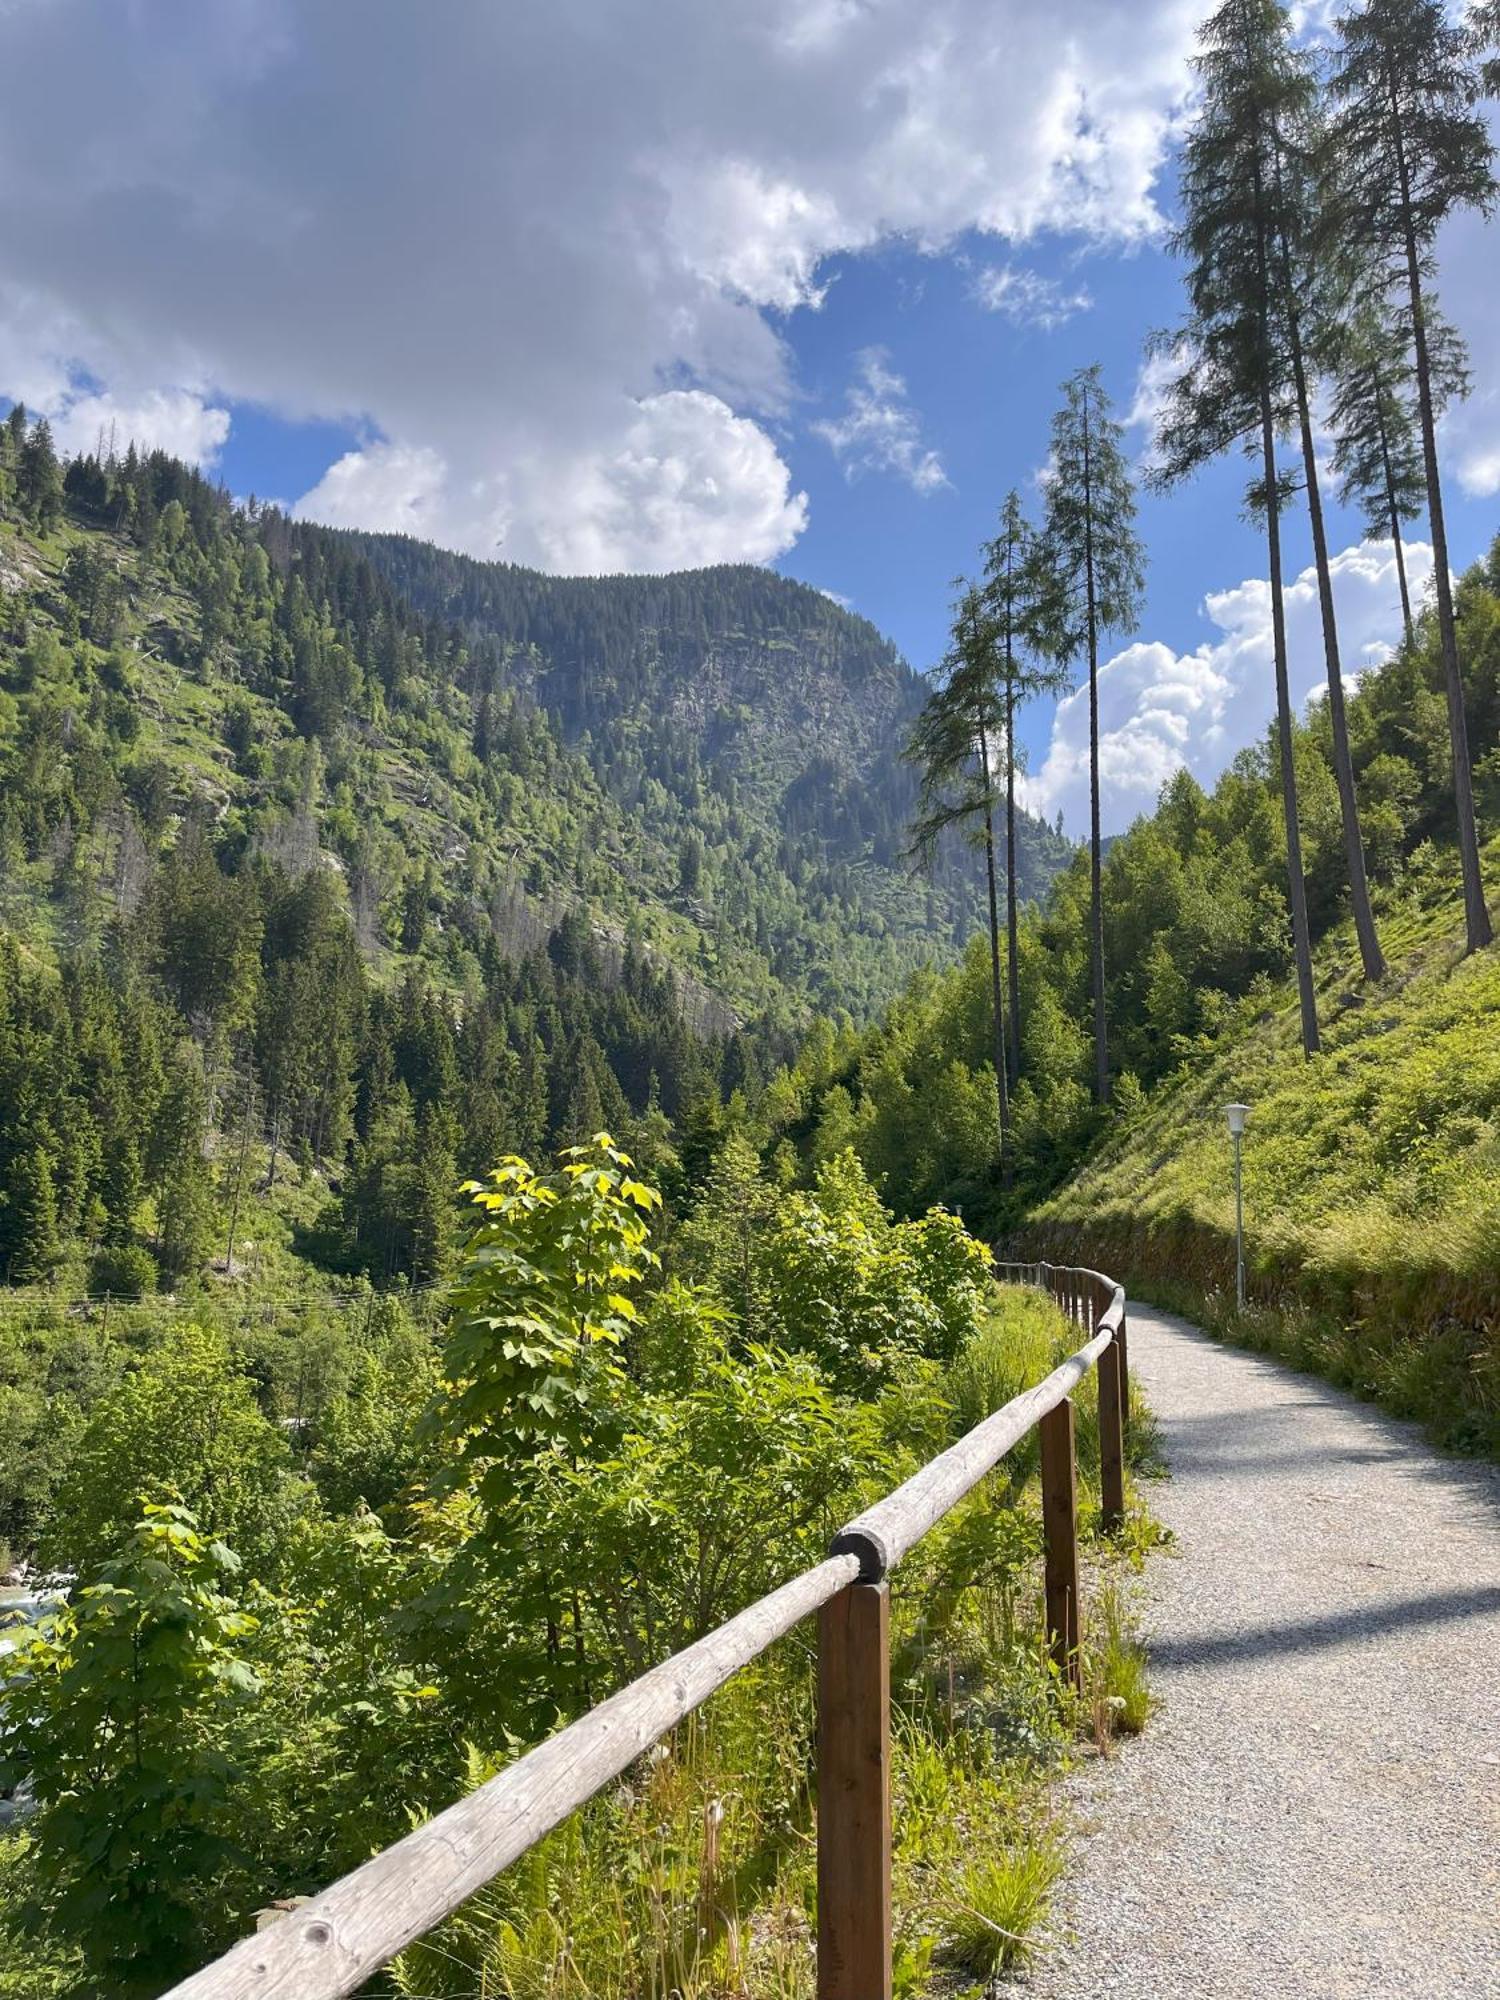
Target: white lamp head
x: 1236, y: 1115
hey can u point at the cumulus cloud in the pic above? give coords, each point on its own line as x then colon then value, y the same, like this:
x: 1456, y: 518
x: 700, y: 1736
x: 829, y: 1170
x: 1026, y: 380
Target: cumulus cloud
x: 174, y: 420
x: 879, y: 430
x: 1161, y: 711
x: 499, y: 241
x: 1026, y: 298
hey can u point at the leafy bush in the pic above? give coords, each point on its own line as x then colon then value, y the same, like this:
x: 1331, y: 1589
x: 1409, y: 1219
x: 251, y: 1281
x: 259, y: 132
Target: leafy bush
x: 186, y: 1417
x: 123, y: 1271
x: 860, y: 1293
x: 119, y: 1711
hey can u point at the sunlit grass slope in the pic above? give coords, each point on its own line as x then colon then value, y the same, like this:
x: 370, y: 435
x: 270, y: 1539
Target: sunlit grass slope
x: 1372, y: 1174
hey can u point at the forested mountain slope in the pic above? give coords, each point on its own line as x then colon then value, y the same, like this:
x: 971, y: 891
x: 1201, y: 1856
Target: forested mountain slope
x: 292, y: 870
x: 754, y: 712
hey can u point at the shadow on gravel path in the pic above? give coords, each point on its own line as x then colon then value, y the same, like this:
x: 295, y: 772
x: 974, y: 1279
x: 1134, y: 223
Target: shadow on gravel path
x: 1314, y: 1813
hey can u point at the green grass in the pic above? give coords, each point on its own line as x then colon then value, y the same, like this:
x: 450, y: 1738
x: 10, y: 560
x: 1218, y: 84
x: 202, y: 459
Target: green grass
x: 1372, y: 1176
x: 999, y: 1907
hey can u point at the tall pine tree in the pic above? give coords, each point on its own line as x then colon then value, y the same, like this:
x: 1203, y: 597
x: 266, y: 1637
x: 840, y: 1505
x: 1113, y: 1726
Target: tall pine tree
x: 1015, y: 584
x: 1307, y: 297
x: 1377, y: 450
x: 1234, y: 385
x: 953, y: 745
x: 1415, y: 148
x: 1097, y: 568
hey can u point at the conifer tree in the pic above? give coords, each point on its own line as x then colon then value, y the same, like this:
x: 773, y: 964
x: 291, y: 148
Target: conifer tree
x: 30, y: 1234
x: 12, y: 445
x: 1234, y: 386
x: 41, y: 478
x: 1415, y: 148
x: 1377, y: 452
x: 1097, y: 573
x: 1483, y: 26
x: 1308, y: 295
x: 1015, y: 583
x: 952, y: 746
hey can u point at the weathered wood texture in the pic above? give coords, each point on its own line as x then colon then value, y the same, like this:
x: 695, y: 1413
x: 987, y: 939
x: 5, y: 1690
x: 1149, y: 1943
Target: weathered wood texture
x: 1122, y: 1346
x: 854, y: 1794
x: 335, y: 1942
x: 1060, y: 1530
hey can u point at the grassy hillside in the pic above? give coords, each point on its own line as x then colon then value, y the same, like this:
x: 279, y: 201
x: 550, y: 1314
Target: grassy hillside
x: 1372, y: 1176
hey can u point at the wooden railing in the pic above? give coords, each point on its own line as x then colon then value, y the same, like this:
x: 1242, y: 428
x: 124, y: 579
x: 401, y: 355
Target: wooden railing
x: 334, y: 1943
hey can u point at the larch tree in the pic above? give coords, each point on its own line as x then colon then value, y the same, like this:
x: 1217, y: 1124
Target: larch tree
x: 1415, y: 148
x: 1377, y: 450
x: 1234, y: 385
x: 1298, y: 149
x: 1016, y: 591
x: 1483, y: 25
x: 953, y: 745
x: 1096, y: 567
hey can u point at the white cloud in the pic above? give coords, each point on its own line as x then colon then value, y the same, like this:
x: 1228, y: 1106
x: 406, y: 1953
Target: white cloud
x: 1026, y: 298
x: 1162, y: 711
x: 491, y: 238
x: 1159, y: 368
x: 174, y: 420
x: 392, y: 487
x: 879, y: 430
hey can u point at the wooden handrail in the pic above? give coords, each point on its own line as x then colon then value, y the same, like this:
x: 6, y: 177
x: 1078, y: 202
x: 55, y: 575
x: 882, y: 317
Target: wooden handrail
x: 884, y: 1533
x: 331, y: 1945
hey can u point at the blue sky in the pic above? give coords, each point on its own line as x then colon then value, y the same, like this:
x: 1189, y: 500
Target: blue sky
x: 639, y: 284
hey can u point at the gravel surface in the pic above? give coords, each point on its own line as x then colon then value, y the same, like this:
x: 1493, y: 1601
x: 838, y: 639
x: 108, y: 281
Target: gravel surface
x: 1315, y: 1808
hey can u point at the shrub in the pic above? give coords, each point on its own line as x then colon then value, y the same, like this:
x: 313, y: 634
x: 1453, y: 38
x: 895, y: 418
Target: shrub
x: 123, y: 1271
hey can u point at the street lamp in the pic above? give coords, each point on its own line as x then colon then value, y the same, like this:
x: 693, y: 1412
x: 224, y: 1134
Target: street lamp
x: 1236, y: 1114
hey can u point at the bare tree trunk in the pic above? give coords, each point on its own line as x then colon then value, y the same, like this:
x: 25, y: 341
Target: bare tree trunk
x: 1394, y: 512
x: 1396, y: 544
x: 1371, y: 956
x: 1012, y: 894
x: 1296, y: 888
x: 1002, y: 1087
x: 1477, y: 924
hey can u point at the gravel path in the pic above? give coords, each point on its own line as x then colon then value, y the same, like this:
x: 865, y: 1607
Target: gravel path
x: 1315, y: 1809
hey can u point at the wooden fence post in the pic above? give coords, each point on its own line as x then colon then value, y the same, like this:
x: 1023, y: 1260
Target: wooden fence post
x: 1122, y: 1345
x: 1111, y: 1440
x: 854, y: 1794
x: 1060, y: 1529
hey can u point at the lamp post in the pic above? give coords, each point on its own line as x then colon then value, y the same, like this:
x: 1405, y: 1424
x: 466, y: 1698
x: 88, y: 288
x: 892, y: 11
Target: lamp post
x: 1236, y: 1114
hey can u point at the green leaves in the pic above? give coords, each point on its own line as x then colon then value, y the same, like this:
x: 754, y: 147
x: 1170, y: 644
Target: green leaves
x: 539, y: 1297
x: 117, y: 1709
